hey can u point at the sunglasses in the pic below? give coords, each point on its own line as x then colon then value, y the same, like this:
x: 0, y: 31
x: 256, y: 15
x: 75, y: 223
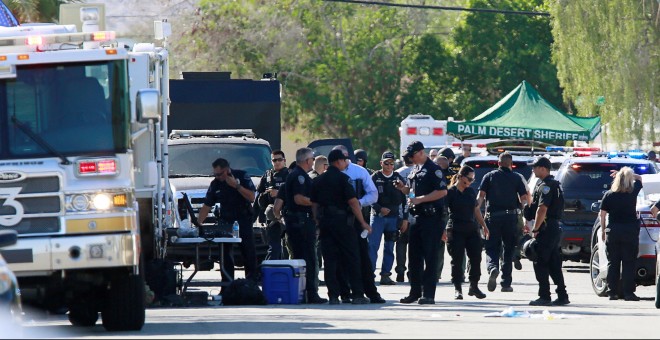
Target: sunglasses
x: 388, y: 163
x: 470, y: 179
x: 277, y: 160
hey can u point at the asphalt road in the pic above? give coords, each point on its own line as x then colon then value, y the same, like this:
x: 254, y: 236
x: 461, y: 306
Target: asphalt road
x: 588, y: 316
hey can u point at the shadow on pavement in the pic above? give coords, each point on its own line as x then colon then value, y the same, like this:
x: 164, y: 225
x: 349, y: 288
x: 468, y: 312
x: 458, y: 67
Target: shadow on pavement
x: 185, y: 327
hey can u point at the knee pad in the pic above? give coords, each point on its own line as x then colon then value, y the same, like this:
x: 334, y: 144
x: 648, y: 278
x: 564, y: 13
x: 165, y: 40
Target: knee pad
x: 391, y: 236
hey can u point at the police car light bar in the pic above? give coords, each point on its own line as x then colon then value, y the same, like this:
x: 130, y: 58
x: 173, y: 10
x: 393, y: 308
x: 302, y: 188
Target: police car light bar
x: 592, y: 149
x: 558, y: 148
x: 635, y: 154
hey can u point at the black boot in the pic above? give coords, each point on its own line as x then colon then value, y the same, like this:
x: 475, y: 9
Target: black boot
x: 458, y: 291
x: 474, y: 290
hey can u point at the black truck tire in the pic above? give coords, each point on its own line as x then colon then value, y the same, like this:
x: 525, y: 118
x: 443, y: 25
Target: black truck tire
x: 125, y: 305
x: 83, y: 315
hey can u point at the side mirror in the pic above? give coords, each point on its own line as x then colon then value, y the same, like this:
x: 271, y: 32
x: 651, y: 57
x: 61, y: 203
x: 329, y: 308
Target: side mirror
x: 595, y: 207
x: 8, y: 238
x: 147, y: 105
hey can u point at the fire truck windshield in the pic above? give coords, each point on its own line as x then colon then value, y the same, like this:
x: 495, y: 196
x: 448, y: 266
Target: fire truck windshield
x: 74, y: 108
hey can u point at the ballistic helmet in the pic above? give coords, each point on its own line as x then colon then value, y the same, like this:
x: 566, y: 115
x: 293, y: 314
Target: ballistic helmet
x: 447, y: 152
x: 360, y: 154
x: 529, y: 249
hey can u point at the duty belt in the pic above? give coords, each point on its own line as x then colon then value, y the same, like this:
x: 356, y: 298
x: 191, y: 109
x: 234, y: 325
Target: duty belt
x: 333, y: 211
x: 497, y: 213
x: 299, y: 214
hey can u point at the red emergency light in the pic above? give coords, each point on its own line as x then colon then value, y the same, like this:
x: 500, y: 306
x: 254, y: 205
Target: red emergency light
x: 438, y: 131
x: 101, y: 167
x: 87, y: 167
x: 582, y: 153
x: 411, y: 130
x: 591, y: 149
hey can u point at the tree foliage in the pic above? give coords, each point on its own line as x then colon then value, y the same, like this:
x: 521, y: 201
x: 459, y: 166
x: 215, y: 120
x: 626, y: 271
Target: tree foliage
x: 487, y: 56
x: 29, y: 11
x: 611, y: 50
x: 345, y: 68
x: 356, y: 71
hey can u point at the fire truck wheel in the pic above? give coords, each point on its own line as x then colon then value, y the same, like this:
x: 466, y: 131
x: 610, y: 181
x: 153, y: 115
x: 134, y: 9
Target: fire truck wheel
x: 125, y: 305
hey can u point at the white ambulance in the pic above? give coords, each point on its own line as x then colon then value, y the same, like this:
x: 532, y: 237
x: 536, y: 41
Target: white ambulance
x: 433, y: 134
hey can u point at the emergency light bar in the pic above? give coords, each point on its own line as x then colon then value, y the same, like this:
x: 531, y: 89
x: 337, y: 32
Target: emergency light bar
x: 558, y: 148
x: 47, y: 39
x: 635, y: 154
x: 459, y: 145
x: 97, y: 167
x: 212, y: 133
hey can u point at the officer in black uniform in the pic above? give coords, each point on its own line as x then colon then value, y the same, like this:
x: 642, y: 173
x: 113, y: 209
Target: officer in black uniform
x: 361, y: 160
x: 451, y: 156
x: 503, y: 190
x: 443, y: 162
x: 427, y: 184
x: 546, y: 210
x: 336, y: 210
x: 300, y: 226
x: 267, y: 191
x: 467, y: 152
x: 234, y: 190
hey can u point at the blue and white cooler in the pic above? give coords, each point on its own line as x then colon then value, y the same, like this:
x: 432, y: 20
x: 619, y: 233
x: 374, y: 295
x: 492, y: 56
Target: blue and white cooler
x: 284, y: 281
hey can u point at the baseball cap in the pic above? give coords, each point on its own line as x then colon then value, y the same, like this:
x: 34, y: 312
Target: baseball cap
x: 544, y: 162
x: 414, y: 147
x: 336, y: 155
x: 387, y: 155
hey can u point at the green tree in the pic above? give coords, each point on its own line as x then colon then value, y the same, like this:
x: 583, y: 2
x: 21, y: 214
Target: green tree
x: 345, y: 68
x: 608, y: 58
x: 28, y: 11
x: 487, y: 56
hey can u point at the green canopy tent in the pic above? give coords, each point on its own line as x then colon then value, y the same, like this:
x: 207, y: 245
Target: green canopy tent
x: 524, y: 114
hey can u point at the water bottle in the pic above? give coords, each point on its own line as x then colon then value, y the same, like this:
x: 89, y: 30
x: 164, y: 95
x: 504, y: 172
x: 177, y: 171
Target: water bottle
x: 234, y: 230
x: 411, y: 194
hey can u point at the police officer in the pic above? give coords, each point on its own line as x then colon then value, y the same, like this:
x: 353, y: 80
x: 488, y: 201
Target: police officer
x: 466, y: 152
x: 234, y: 190
x: 336, y: 210
x: 402, y: 242
x: 546, y: 209
x: 443, y: 162
x: 361, y: 160
x: 267, y: 191
x: 300, y: 226
x: 386, y: 213
x: 427, y: 184
x: 463, y: 233
x: 320, y: 166
x: 451, y: 156
x: 367, y: 195
x: 503, y: 190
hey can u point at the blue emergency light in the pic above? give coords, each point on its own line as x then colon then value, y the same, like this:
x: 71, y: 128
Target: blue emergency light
x: 635, y: 154
x: 557, y: 149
